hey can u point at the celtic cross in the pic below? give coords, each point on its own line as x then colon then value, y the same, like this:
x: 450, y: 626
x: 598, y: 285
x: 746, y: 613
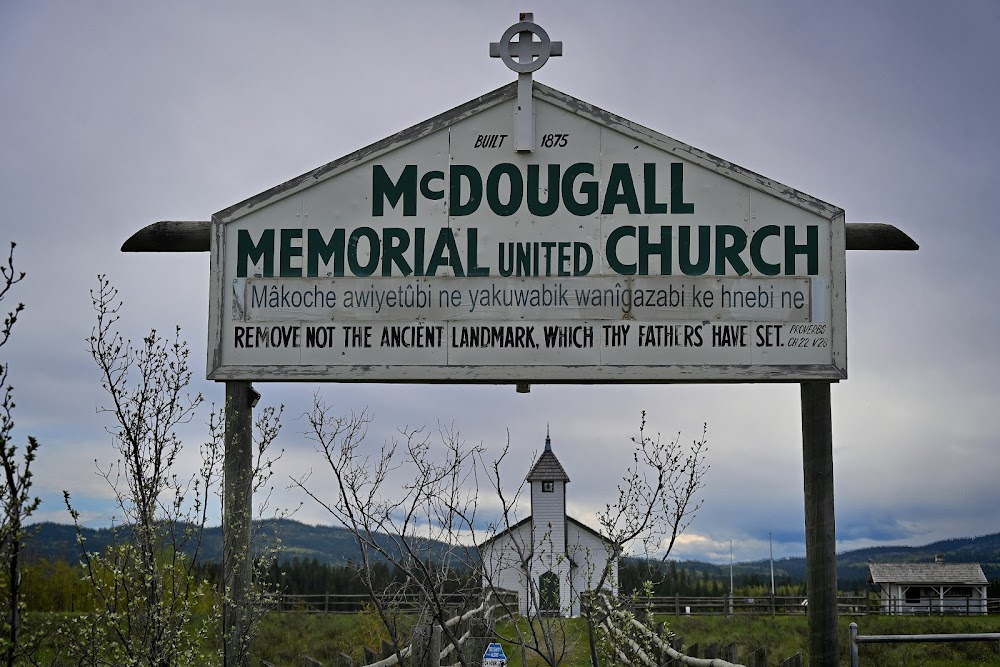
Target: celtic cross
x: 524, y: 56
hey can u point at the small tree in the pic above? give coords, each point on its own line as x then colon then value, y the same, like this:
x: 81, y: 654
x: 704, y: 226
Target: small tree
x: 15, y: 487
x: 657, y: 499
x: 153, y: 607
x: 420, y: 528
x: 263, y: 555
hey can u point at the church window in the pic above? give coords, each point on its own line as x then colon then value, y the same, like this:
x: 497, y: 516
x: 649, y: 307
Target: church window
x: 548, y: 486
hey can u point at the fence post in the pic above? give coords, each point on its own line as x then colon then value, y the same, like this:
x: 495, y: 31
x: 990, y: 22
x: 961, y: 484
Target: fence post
x: 712, y: 651
x: 854, y: 644
x: 310, y: 662
x: 370, y: 656
x: 794, y: 661
x: 758, y: 658
x: 434, y: 647
x: 693, y: 650
x: 344, y: 660
x: 731, y: 652
x: 677, y: 604
x: 387, y: 649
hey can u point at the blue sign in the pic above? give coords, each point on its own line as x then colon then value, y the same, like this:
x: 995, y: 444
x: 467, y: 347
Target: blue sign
x: 494, y: 652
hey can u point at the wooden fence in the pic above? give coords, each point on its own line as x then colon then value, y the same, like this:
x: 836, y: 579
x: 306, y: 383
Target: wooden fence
x: 662, y: 652
x: 847, y: 605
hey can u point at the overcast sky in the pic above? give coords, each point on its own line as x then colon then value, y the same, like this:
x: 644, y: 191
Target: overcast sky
x: 114, y: 115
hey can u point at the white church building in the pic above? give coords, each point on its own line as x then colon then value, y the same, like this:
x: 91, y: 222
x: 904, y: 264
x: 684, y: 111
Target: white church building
x: 549, y: 558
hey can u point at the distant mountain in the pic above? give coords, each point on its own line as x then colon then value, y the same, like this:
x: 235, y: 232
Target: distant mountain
x: 327, y: 544
x: 334, y: 545
x: 852, y: 566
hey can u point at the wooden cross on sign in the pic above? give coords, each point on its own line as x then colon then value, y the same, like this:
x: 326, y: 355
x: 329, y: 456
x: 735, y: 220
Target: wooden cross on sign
x: 524, y: 56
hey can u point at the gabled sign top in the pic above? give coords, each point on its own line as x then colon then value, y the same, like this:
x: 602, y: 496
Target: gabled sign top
x: 530, y: 56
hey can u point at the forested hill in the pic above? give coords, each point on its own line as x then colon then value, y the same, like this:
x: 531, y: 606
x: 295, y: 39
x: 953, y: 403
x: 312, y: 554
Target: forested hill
x: 852, y: 566
x: 335, y: 546
x: 326, y: 544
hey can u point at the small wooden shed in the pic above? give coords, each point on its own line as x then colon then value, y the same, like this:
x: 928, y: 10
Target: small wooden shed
x: 929, y: 588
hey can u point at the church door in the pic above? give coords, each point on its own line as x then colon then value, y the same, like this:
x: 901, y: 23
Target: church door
x: 548, y: 592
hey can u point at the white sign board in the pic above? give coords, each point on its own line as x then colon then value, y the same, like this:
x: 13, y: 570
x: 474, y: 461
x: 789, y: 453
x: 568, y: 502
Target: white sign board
x: 609, y: 253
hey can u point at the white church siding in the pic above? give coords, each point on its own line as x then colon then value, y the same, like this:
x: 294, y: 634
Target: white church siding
x: 589, y: 553
x: 503, y: 561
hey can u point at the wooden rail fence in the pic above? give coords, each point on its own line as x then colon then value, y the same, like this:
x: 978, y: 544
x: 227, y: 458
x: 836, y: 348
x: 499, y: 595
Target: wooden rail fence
x: 848, y: 605
x: 671, y: 652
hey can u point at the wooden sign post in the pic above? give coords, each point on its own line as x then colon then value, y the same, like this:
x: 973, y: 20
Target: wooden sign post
x: 237, y: 510
x: 821, y: 531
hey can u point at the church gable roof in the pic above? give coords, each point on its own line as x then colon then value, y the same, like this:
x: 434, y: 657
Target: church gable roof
x: 547, y: 467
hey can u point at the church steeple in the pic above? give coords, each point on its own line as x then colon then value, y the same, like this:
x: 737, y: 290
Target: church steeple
x: 547, y: 467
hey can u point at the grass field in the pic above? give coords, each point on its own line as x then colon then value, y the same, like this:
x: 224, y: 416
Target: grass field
x: 285, y: 638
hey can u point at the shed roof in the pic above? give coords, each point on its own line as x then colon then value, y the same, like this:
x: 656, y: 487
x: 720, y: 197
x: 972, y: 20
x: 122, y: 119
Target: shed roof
x: 927, y: 573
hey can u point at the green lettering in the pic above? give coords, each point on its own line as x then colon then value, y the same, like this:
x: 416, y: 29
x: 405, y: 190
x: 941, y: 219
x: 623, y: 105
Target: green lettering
x: 689, y: 267
x: 587, y: 188
x: 472, y: 234
x: 620, y: 190
x: 445, y: 244
x: 455, y: 206
x: 611, y: 250
x: 493, y: 189
x: 405, y: 187
x: 756, y: 258
x: 810, y: 250
x: 725, y: 252
x: 677, y: 189
x: 247, y: 251
x: 649, y: 190
x: 425, y: 185
x: 395, y: 242
x: 318, y: 249
x: 664, y: 249
x: 288, y: 251
x: 358, y: 269
x: 535, y: 205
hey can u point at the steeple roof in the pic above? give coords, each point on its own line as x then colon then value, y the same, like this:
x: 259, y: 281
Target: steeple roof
x: 547, y: 467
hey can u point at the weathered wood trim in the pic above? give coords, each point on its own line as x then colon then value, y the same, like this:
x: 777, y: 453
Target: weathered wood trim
x: 540, y: 374
x: 171, y: 236
x: 878, y: 236
x: 216, y: 298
